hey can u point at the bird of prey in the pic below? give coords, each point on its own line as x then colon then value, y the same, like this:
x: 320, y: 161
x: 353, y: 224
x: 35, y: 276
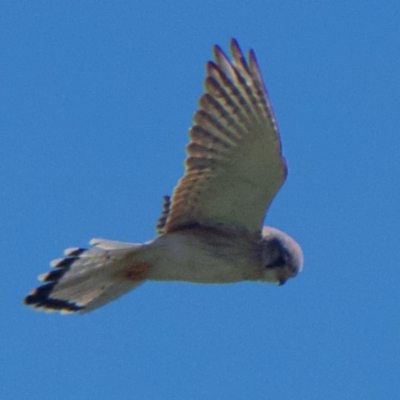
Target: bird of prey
x: 210, y: 230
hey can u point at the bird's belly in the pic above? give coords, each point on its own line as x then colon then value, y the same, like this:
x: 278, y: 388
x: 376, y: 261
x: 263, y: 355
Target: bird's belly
x: 178, y: 257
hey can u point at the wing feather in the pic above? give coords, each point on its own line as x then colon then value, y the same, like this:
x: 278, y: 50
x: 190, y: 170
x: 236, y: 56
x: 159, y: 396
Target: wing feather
x: 234, y: 164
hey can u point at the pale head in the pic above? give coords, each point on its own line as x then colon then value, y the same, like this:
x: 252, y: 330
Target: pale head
x: 282, y: 257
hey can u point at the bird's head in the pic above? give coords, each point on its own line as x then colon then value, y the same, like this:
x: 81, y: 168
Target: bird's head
x: 282, y: 257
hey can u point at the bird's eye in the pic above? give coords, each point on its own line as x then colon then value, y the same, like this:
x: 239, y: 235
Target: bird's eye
x: 279, y: 262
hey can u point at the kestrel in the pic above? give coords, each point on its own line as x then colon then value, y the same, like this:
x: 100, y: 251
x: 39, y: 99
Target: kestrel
x: 210, y: 230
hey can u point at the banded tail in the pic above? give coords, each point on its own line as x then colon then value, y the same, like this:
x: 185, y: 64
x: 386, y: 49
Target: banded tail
x: 87, y: 279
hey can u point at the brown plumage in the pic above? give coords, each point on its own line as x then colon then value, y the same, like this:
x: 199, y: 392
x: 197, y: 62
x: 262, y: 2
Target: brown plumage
x: 210, y: 230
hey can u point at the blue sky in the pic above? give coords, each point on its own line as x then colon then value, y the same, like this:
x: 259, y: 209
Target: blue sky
x: 96, y: 100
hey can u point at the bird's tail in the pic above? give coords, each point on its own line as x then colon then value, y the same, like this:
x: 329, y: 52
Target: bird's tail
x: 86, y: 279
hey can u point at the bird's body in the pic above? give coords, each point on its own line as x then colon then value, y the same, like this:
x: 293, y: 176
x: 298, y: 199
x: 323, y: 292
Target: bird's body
x: 202, y: 255
x: 211, y: 229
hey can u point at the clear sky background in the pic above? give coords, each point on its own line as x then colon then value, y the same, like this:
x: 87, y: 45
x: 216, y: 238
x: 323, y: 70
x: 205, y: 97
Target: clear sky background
x: 96, y: 98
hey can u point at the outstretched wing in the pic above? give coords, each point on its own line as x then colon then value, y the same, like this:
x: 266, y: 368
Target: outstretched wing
x: 234, y: 166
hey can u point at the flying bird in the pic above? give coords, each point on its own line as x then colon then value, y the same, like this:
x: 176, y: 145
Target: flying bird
x: 210, y: 230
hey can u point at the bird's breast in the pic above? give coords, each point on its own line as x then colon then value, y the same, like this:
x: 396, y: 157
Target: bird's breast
x: 202, y: 257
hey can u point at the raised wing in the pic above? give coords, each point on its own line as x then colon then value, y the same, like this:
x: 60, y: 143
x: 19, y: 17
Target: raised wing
x: 234, y: 166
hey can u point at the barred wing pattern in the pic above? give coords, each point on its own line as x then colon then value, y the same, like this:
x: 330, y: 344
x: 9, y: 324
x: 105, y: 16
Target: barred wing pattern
x: 234, y: 166
x: 160, y: 227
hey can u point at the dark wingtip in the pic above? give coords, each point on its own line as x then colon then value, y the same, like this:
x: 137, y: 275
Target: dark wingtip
x: 40, y: 298
x: 74, y: 251
x: 65, y: 262
x: 217, y: 50
x: 52, y: 276
x: 234, y: 44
